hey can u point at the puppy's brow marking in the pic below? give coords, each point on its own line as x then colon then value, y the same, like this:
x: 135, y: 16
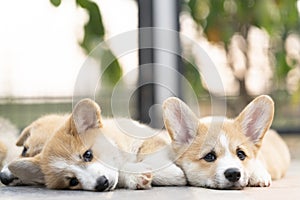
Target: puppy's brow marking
x: 224, y: 141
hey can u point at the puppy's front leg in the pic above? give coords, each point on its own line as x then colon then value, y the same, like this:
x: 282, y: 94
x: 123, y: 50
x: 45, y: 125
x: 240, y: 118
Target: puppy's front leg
x: 135, y: 176
x: 260, y: 177
x: 165, y: 172
x: 170, y: 175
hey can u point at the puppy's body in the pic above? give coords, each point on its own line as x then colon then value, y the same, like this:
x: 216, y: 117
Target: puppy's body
x: 91, y: 153
x: 32, y: 139
x: 274, y: 155
x: 218, y: 152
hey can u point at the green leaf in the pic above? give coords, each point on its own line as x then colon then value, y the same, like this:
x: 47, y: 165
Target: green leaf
x: 296, y: 96
x: 93, y: 29
x: 113, y: 72
x: 94, y: 32
x: 93, y: 35
x: 282, y: 68
x: 192, y: 74
x: 55, y: 2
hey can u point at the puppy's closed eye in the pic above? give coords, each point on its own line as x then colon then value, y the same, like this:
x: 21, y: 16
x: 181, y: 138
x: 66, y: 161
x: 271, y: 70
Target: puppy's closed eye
x: 73, y: 182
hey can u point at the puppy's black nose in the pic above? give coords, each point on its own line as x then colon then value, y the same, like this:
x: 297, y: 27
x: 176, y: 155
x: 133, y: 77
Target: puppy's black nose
x: 232, y: 174
x: 102, y: 184
x: 6, y: 180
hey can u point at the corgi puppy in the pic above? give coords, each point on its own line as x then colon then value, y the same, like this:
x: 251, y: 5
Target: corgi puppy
x: 222, y: 153
x: 32, y: 139
x: 92, y: 153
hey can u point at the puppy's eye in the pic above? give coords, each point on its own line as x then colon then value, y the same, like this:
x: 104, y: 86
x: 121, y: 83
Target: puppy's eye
x: 241, y: 154
x: 88, y: 156
x: 210, y: 157
x: 73, y: 182
x: 24, y: 151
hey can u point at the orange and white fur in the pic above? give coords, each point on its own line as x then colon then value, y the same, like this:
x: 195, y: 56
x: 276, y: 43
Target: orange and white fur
x: 32, y: 139
x: 222, y: 153
x: 91, y: 153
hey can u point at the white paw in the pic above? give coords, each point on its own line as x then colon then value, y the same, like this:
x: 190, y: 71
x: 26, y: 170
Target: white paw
x: 139, y: 181
x: 136, y: 176
x: 260, y: 178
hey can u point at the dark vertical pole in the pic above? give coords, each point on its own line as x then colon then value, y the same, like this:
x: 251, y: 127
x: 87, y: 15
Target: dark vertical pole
x: 167, y: 55
x: 160, y: 65
x: 145, y: 91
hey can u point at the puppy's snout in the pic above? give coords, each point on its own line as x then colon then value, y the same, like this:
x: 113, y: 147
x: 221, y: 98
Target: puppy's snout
x: 5, y: 179
x: 102, y: 184
x: 232, y: 174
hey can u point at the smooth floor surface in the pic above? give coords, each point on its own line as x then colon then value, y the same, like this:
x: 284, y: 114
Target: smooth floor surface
x: 287, y: 188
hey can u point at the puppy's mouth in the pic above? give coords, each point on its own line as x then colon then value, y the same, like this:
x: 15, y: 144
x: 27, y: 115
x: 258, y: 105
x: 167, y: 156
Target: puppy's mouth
x: 111, y: 186
x: 226, y: 186
x: 113, y: 183
x: 231, y: 186
x: 234, y: 187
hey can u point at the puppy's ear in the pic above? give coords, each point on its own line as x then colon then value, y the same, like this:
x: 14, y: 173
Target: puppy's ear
x: 86, y: 115
x: 179, y: 120
x: 256, y: 118
x: 23, y: 136
x: 27, y: 170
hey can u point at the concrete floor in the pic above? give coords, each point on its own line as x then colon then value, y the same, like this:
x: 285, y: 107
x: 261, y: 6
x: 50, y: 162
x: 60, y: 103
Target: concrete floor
x: 287, y: 188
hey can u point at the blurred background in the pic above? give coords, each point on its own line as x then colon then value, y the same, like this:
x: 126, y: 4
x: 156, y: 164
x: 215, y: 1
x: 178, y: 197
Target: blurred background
x: 253, y: 44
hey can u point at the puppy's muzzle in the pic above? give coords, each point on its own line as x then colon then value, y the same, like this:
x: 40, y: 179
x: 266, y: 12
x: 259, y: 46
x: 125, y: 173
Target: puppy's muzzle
x: 6, y: 179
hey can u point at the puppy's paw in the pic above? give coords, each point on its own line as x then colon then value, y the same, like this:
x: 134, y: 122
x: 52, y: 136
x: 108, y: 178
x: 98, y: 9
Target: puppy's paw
x: 144, y: 181
x: 139, y: 181
x: 260, y: 178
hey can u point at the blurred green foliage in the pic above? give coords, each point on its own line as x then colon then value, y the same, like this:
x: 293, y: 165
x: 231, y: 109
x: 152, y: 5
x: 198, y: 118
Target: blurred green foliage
x: 192, y: 75
x: 221, y: 19
x: 94, y: 33
x: 93, y: 30
x: 55, y: 2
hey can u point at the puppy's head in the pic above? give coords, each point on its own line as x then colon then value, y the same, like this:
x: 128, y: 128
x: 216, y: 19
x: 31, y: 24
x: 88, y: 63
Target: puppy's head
x: 33, y: 139
x: 69, y: 159
x: 34, y: 136
x: 217, y: 152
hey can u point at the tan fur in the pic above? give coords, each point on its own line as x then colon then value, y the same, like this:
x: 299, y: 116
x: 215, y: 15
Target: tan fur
x: 154, y: 144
